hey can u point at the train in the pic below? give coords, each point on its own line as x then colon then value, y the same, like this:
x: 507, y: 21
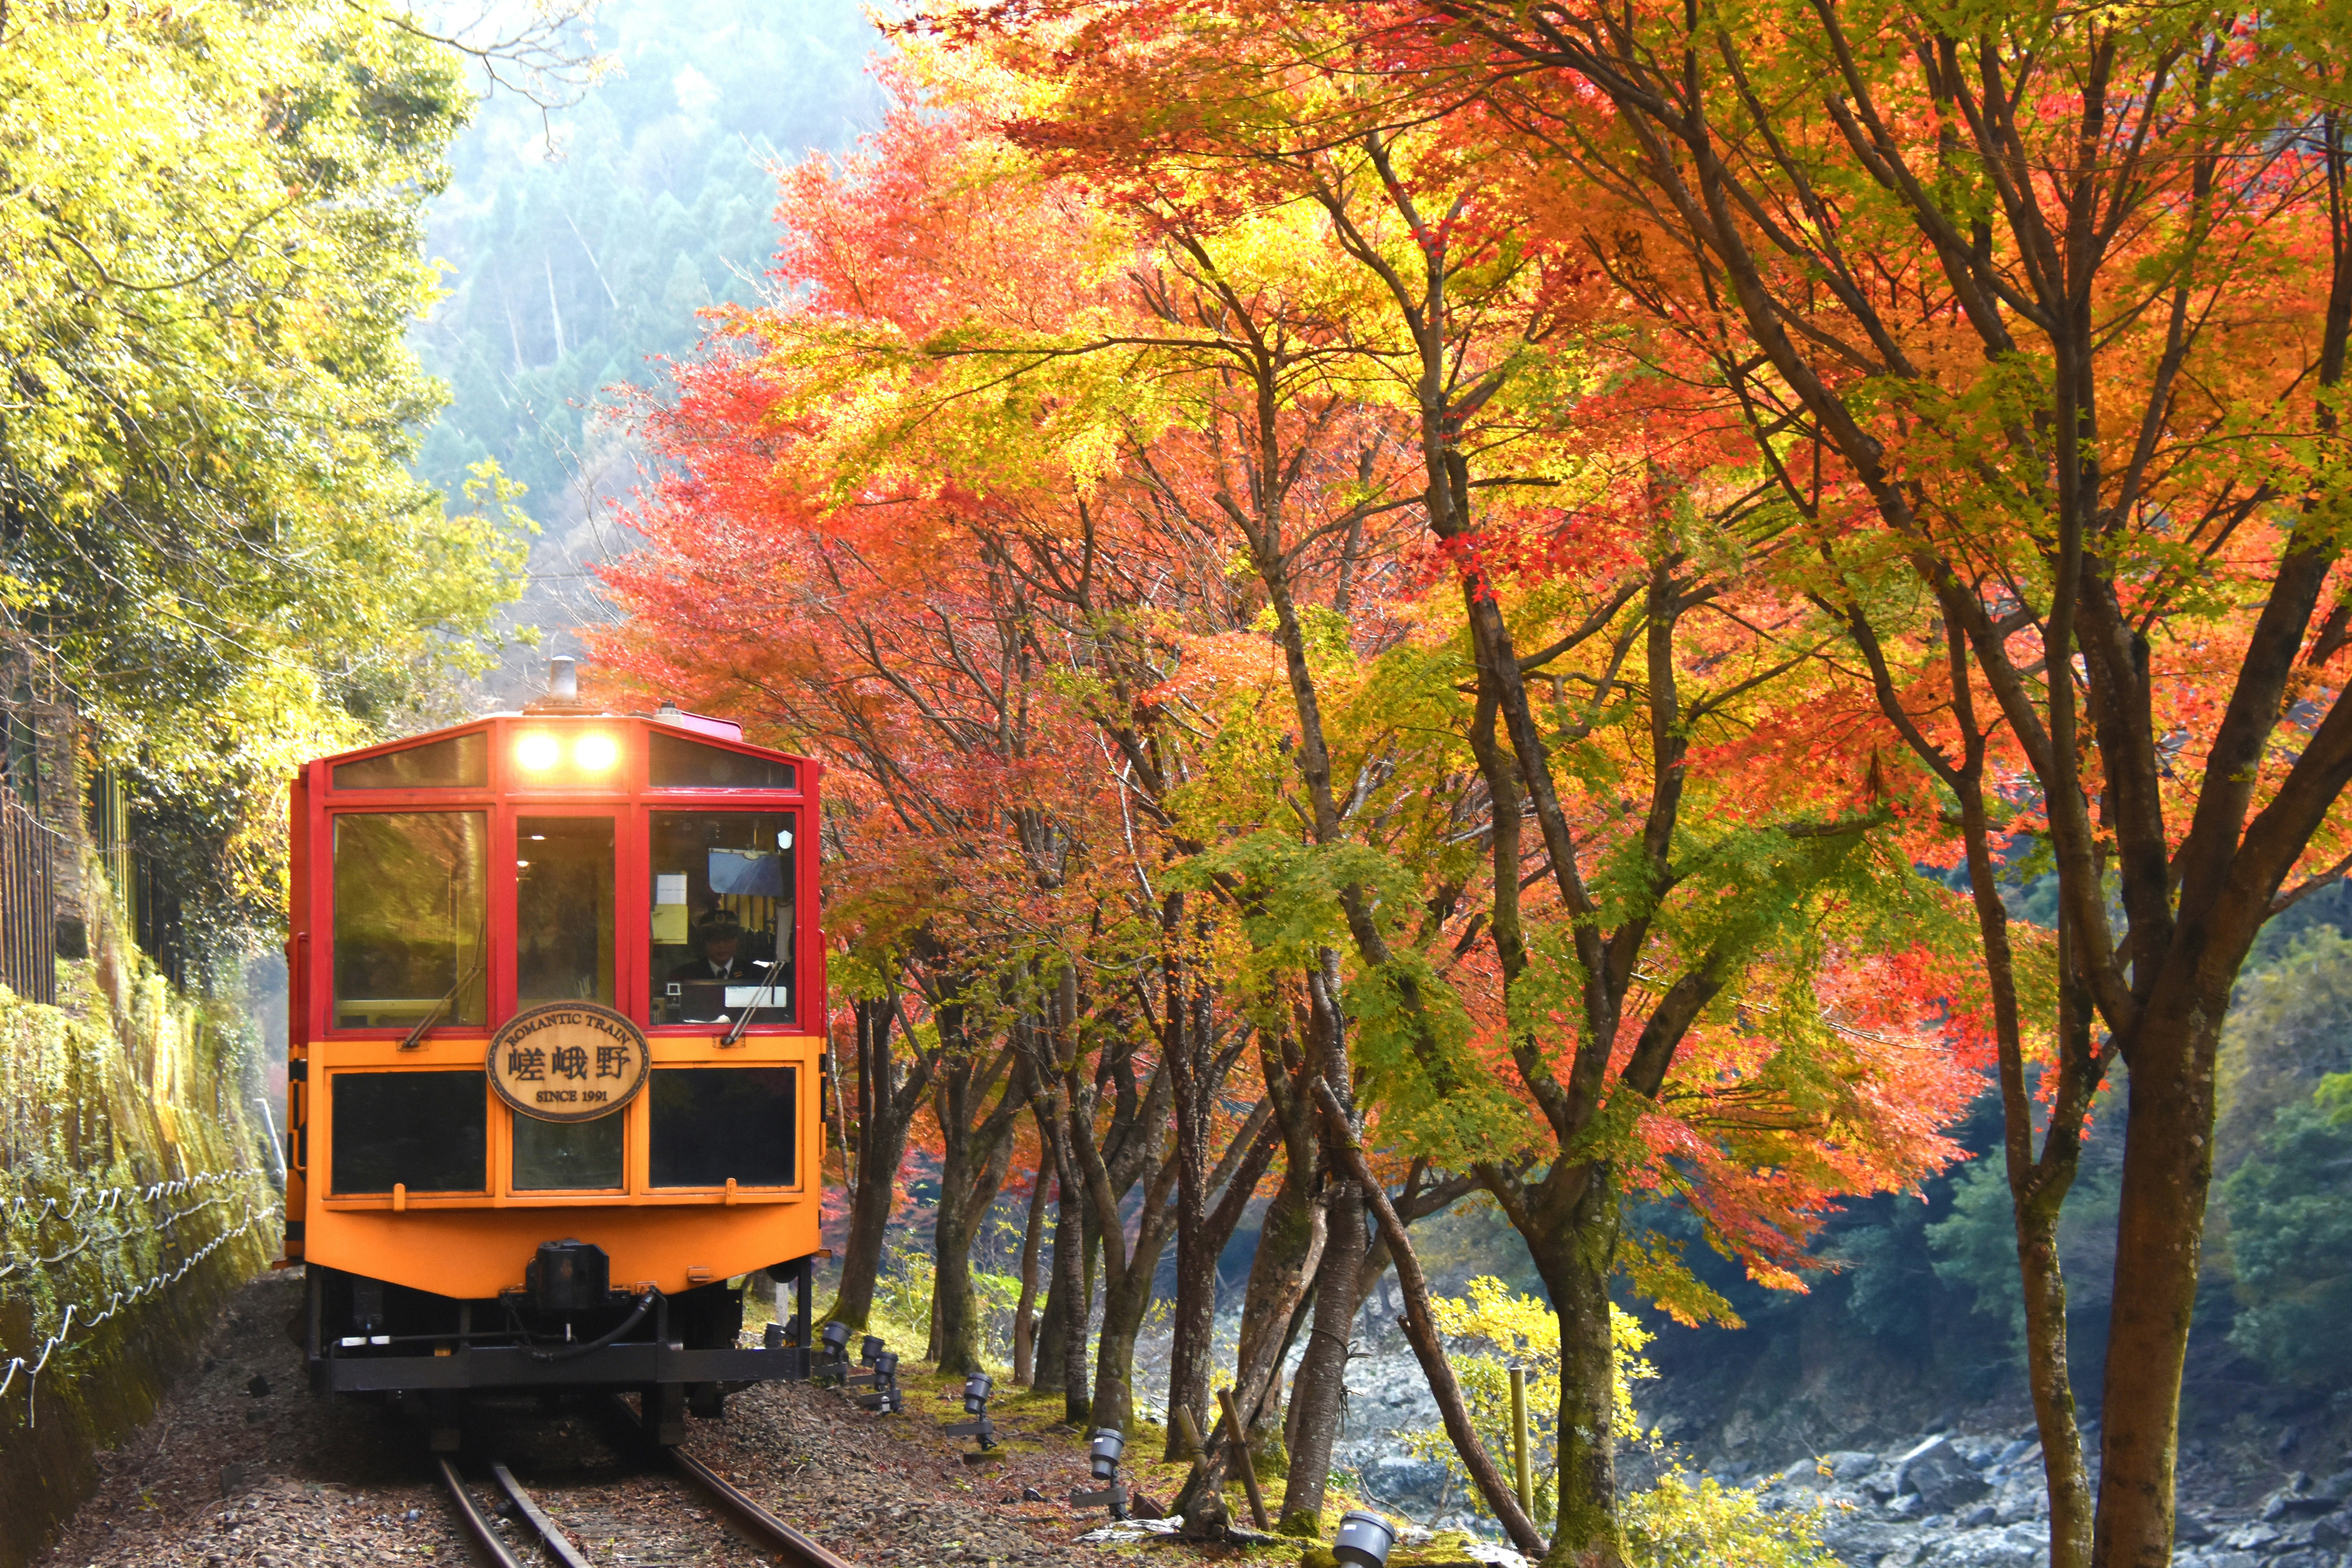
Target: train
x: 556, y: 1059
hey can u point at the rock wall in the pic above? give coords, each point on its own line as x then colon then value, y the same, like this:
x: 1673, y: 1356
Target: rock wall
x: 138, y: 1189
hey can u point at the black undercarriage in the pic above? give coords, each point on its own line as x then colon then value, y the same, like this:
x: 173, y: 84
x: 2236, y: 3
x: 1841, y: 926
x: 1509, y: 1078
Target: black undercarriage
x: 680, y: 1353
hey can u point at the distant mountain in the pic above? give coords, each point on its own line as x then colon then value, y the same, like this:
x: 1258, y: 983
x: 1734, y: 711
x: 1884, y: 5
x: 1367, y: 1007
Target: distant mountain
x: 574, y: 270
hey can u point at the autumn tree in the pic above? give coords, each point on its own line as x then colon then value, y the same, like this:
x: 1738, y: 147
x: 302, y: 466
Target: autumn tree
x: 2037, y: 320
x: 210, y: 536
x: 1663, y: 905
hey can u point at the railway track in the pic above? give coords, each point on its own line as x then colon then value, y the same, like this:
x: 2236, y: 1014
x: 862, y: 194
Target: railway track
x: 532, y: 1522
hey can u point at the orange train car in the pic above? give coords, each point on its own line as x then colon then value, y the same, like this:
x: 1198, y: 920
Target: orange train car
x: 556, y: 1057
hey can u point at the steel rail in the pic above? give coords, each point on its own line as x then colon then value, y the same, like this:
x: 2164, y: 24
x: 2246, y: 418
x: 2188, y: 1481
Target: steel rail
x: 557, y: 1544
x: 772, y: 1532
x: 476, y: 1524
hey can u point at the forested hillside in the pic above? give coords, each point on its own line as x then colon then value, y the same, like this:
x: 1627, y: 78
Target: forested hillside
x: 581, y: 243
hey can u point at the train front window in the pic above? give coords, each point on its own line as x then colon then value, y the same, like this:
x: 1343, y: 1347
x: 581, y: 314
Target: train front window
x: 723, y: 916
x: 672, y: 762
x: 427, y: 1132
x: 560, y: 1156
x: 461, y: 761
x: 564, y: 909
x: 411, y: 917
x: 713, y: 1125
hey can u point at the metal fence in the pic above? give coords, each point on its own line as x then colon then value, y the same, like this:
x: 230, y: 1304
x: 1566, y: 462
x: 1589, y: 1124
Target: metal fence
x: 28, y: 901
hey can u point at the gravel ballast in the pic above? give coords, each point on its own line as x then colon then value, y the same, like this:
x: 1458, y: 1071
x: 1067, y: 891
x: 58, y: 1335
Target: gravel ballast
x: 244, y: 1466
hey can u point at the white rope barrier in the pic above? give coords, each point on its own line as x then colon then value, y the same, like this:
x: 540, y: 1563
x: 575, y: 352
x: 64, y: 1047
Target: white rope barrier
x: 106, y: 1199
x: 121, y: 1236
x: 115, y: 1303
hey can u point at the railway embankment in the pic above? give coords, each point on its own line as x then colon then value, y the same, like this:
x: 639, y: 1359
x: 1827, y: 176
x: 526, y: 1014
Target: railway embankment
x: 242, y: 1468
x: 137, y: 1191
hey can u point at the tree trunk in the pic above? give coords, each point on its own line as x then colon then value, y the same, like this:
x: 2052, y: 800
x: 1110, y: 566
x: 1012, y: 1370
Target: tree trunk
x: 2159, y: 1238
x: 976, y: 1150
x: 1204, y: 1221
x: 2047, y: 1376
x: 954, y: 1333
x: 1198, y: 1081
x: 1048, y: 1371
x: 1289, y: 1250
x: 1421, y: 1327
x: 1576, y: 1258
x: 1318, y: 1393
x: 1066, y: 1347
x: 1258, y: 1372
x: 1024, y: 1327
x: 887, y: 1111
x: 1126, y: 1297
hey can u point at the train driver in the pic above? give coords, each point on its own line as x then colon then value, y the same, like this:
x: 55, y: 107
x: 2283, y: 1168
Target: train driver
x: 721, y: 936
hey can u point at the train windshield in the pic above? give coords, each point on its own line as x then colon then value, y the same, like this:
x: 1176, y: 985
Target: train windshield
x: 461, y: 761
x: 564, y: 909
x: 411, y: 917
x: 556, y: 1156
x: 675, y: 762
x: 723, y: 916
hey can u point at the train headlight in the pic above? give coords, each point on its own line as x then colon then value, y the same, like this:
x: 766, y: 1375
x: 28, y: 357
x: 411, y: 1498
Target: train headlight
x: 869, y: 1348
x: 836, y: 1336
x: 596, y: 751
x: 976, y: 1389
x: 538, y: 752
x: 1105, y: 1451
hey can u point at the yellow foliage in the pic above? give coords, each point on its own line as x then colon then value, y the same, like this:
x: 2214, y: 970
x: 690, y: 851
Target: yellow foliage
x: 1681, y: 1522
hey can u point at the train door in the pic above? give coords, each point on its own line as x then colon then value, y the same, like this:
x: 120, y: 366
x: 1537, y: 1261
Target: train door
x: 565, y: 907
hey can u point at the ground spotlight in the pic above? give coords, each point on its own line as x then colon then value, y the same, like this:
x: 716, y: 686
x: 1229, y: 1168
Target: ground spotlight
x: 1364, y: 1539
x: 1102, y: 1456
x: 833, y: 1353
x: 976, y: 1390
x: 882, y: 1377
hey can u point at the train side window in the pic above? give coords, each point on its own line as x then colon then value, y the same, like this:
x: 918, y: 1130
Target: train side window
x: 722, y: 915
x: 429, y: 1132
x: 567, y: 1156
x: 564, y: 909
x: 461, y: 761
x: 411, y: 917
x: 713, y: 1123
x: 674, y: 762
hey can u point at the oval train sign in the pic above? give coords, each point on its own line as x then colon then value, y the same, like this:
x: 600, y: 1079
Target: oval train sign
x: 569, y: 1061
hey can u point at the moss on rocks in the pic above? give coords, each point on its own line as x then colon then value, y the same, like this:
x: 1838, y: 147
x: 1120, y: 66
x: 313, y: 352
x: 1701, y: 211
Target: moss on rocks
x: 126, y: 1150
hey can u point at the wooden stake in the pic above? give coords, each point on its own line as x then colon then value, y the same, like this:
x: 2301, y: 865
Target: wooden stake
x: 1519, y: 1438
x: 1238, y: 1435
x: 1190, y: 1436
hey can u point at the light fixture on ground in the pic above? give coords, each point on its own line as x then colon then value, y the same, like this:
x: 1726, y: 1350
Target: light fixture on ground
x: 881, y: 1375
x: 1102, y: 1459
x: 976, y: 1390
x: 1364, y: 1539
x: 833, y: 1354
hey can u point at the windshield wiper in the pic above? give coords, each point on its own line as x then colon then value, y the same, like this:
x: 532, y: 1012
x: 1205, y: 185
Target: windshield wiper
x: 775, y: 967
x: 425, y: 1024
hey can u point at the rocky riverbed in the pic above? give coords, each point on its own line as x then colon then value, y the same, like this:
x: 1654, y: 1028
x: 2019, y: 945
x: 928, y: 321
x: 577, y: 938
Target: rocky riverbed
x: 1953, y: 1498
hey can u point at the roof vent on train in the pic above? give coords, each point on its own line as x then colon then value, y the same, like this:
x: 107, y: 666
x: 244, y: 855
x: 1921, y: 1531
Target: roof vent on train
x: 562, y: 689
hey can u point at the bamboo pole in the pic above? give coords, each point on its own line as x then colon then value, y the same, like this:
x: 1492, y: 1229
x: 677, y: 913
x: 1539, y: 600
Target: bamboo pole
x: 1519, y: 1438
x: 1238, y: 1436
